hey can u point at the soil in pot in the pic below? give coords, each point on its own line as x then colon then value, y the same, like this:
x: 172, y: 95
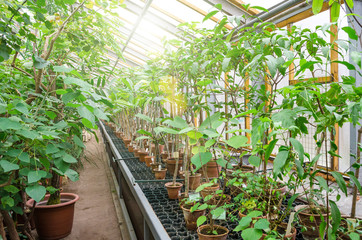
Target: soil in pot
x: 149, y: 160
x: 173, y: 190
x: 160, y: 174
x: 204, y: 233
x: 191, y: 217
x: 209, y: 190
x: 171, y: 165
x: 54, y: 221
x: 305, y: 215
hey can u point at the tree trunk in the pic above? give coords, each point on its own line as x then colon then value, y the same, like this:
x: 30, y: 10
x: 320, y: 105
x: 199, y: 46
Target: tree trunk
x: 10, y: 224
x: 55, y: 197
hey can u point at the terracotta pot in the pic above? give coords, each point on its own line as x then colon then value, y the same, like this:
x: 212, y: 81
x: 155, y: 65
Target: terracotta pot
x: 135, y: 151
x: 54, y: 221
x: 209, y: 190
x: 212, y: 169
x: 119, y: 134
x: 222, y: 233
x: 171, y: 165
x: 183, y: 197
x: 130, y: 148
x: 305, y: 216
x: 194, y: 181
x: 191, y: 217
x: 161, y: 148
x: 148, y: 160
x: 164, y: 155
x: 142, y: 156
x: 173, y: 190
x: 127, y: 142
x: 216, y: 200
x: 155, y: 166
x: 160, y: 174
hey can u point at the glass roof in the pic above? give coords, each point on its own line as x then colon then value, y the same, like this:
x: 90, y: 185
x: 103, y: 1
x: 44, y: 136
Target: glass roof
x: 147, y: 22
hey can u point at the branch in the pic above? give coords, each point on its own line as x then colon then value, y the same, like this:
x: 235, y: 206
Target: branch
x: 17, y: 68
x: 8, y: 182
x: 52, y: 41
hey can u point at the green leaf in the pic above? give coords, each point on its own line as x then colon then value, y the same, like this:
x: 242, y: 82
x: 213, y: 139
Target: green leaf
x: 28, y: 134
x: 280, y: 161
x: 51, y: 148
x: 209, y: 15
x: 336, y: 216
x: 340, y: 181
x: 272, y: 65
x: 335, y: 10
x: 40, y: 63
x: 270, y: 149
x: 7, y: 200
x: 6, y: 124
x: 322, y: 182
x: 255, y: 161
x: 85, y: 113
x: 69, y: 158
x: 298, y: 147
x: 355, y: 236
x: 255, y: 213
x: 8, y: 166
x: 22, y: 107
x: 36, y: 192
x: 24, y: 157
x: 51, y: 114
x: 201, y: 220
x: 73, y: 175
x: 88, y: 123
x: 317, y: 6
x: 210, y: 142
x: 62, y: 69
x: 251, y: 234
x: 243, y: 223
x: 350, y: 3
x: 11, y: 189
x: 194, y: 134
x: 69, y: 96
x: 77, y: 141
x: 237, y: 141
x: 78, y: 82
x: 262, y: 224
x: 356, y: 57
x: 225, y: 64
x: 144, y: 117
x: 351, y: 33
x: 285, y: 117
x: 356, y: 182
x: 201, y: 159
x: 34, y: 176
x: 165, y: 130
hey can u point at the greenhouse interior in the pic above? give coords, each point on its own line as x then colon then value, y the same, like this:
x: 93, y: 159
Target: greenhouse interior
x: 180, y: 119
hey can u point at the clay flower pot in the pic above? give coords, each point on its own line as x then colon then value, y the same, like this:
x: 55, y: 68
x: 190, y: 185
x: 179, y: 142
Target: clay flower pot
x: 149, y: 160
x: 164, y: 155
x: 194, y: 181
x: 305, y: 216
x: 171, y: 165
x: 173, y: 190
x: 191, y: 217
x: 142, y: 155
x: 209, y: 190
x: 54, y: 221
x: 127, y: 142
x: 212, y: 169
x: 160, y: 174
x: 203, y: 233
x: 154, y: 166
x: 130, y: 148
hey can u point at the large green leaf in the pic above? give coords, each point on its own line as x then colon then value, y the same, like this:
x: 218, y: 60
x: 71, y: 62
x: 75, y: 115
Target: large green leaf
x: 285, y: 117
x: 34, y: 176
x: 210, y: 121
x: 336, y: 216
x: 78, y: 82
x: 351, y: 33
x: 252, y: 234
x: 36, y: 192
x: 262, y: 224
x: 85, y: 113
x: 201, y: 159
x: 340, y: 181
x: 298, y: 147
x: 144, y: 117
x: 62, y: 69
x: 28, y: 133
x: 77, y: 141
x: 177, y: 122
x: 270, y: 149
x: 39, y: 62
x: 6, y: 124
x: 317, y: 6
x: 194, y: 134
x: 69, y: 158
x: 51, y: 148
x: 280, y: 161
x: 8, y: 166
x: 73, y: 175
x: 254, y: 160
x: 22, y: 107
x: 209, y: 15
x: 237, y: 141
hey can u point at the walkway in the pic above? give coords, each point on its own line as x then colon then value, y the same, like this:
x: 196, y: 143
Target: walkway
x: 96, y: 212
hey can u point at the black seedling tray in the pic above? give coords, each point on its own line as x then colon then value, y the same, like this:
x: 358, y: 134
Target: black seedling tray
x: 168, y: 211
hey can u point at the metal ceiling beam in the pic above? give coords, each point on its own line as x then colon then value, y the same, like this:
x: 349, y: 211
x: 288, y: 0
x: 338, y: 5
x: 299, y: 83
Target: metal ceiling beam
x: 144, y: 10
x: 227, y: 7
x: 266, y: 15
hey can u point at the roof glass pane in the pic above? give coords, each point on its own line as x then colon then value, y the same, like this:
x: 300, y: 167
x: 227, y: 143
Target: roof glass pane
x: 262, y: 3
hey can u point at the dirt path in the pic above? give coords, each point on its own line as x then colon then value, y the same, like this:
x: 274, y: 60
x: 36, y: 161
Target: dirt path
x: 95, y: 213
